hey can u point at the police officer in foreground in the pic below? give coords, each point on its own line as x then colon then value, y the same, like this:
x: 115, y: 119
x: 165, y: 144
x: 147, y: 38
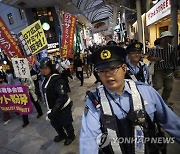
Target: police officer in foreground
x: 123, y: 109
x: 57, y: 101
x: 136, y: 69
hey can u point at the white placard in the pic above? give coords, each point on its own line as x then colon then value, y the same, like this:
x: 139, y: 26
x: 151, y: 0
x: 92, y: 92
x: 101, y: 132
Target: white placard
x: 158, y: 11
x: 21, y: 67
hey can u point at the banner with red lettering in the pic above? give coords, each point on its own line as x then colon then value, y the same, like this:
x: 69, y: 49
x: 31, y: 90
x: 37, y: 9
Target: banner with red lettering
x: 69, y: 23
x: 7, y: 42
x: 15, y: 98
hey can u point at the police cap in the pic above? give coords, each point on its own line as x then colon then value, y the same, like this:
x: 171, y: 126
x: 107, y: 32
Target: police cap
x: 137, y: 46
x: 108, y: 56
x: 45, y: 62
x: 111, y: 43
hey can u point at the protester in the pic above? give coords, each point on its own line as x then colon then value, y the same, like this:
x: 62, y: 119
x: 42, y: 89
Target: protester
x: 165, y: 58
x: 65, y: 65
x: 78, y: 66
x: 30, y: 84
x: 3, y: 81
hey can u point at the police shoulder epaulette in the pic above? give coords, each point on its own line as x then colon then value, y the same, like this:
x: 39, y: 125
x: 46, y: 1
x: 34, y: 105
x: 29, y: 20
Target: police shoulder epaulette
x: 141, y: 83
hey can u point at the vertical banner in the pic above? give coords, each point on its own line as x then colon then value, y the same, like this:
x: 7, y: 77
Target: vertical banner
x: 69, y: 23
x: 15, y: 98
x: 33, y: 38
x: 21, y: 67
x: 7, y: 42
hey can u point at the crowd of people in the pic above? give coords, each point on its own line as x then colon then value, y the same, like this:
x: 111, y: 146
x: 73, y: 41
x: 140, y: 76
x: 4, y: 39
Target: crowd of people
x: 126, y: 102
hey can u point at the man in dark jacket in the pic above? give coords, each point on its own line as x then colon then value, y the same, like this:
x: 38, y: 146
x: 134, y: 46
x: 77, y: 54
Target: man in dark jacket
x: 58, y: 102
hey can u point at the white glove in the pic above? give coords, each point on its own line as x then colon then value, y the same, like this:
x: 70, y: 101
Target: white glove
x: 49, y: 111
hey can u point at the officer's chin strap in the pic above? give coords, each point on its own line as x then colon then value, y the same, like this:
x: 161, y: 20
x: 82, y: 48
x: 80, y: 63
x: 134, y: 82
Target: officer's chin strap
x: 112, y: 134
x: 138, y: 130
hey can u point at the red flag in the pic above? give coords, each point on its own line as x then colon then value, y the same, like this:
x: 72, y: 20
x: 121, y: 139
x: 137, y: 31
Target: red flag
x: 69, y: 23
x: 7, y: 42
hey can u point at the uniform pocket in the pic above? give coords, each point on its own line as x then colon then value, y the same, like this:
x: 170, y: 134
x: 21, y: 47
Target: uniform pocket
x: 150, y: 109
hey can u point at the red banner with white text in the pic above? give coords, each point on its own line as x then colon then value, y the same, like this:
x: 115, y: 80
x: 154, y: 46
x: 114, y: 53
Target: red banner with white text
x: 69, y: 23
x: 7, y: 42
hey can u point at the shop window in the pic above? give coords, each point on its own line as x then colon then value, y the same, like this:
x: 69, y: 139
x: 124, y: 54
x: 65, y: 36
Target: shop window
x: 10, y: 18
x: 21, y: 12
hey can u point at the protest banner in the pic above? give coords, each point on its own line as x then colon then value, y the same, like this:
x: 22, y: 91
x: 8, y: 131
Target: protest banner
x: 15, y: 98
x: 69, y: 23
x: 7, y: 42
x: 33, y: 38
x: 21, y: 67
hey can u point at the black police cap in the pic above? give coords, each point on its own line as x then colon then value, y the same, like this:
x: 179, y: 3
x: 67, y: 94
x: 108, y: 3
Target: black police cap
x: 111, y: 43
x: 45, y: 62
x: 108, y: 56
x: 137, y: 46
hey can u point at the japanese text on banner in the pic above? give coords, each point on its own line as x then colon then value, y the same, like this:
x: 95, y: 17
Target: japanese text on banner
x: 21, y: 67
x: 33, y: 38
x: 69, y: 23
x: 15, y: 98
x: 7, y: 42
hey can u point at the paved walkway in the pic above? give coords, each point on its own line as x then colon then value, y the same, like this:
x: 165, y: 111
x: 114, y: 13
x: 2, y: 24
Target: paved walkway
x: 37, y: 137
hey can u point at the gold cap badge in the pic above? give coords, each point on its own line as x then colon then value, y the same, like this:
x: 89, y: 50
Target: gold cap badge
x: 105, y: 54
x: 138, y: 46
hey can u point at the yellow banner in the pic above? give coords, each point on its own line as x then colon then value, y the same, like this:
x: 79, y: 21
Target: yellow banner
x: 34, y: 37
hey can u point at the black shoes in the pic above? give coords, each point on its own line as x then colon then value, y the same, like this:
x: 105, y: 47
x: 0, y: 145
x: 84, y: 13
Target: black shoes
x: 39, y: 115
x: 25, y: 124
x: 59, y: 138
x: 69, y: 140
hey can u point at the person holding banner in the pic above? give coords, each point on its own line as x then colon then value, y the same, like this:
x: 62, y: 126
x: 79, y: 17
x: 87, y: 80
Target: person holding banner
x: 6, y: 116
x: 30, y: 84
x: 58, y: 102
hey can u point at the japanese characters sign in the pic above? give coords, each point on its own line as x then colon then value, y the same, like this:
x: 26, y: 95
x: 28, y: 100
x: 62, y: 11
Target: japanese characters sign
x: 15, y: 98
x: 33, y: 38
x: 69, y: 23
x: 7, y: 42
x: 21, y: 67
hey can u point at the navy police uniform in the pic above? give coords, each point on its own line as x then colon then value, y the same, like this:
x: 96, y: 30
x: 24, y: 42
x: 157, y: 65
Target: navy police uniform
x: 113, y: 116
x: 58, y: 104
x: 139, y: 72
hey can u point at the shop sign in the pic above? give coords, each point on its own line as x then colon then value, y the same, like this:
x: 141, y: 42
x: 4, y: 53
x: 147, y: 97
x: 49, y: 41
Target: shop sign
x: 100, y: 25
x: 53, y: 45
x: 157, y: 12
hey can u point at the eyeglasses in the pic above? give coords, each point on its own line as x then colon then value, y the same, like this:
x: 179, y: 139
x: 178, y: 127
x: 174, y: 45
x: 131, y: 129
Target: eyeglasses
x: 111, y: 71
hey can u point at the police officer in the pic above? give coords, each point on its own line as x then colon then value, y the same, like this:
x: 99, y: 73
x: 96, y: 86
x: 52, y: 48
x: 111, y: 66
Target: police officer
x: 136, y: 70
x: 58, y: 102
x: 122, y: 109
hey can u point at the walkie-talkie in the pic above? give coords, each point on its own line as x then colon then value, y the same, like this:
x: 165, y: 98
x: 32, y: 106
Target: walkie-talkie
x: 93, y: 99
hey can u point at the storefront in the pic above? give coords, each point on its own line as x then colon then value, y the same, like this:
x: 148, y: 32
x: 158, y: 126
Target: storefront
x: 158, y: 19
